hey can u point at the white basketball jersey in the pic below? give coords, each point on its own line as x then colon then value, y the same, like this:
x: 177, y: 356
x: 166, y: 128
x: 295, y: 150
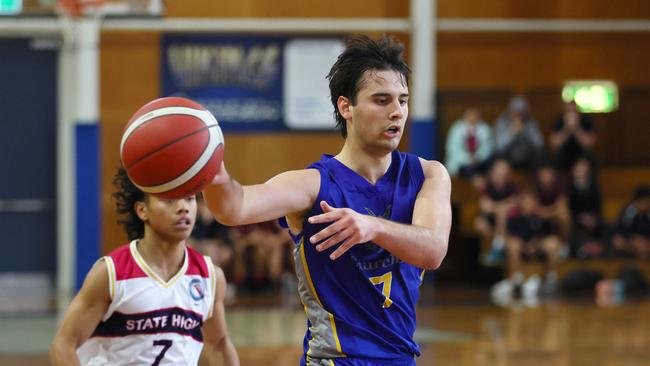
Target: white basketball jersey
x: 150, y: 321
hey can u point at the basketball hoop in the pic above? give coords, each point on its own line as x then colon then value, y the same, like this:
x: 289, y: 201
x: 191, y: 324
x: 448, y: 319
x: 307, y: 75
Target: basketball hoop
x: 71, y: 11
x: 77, y: 8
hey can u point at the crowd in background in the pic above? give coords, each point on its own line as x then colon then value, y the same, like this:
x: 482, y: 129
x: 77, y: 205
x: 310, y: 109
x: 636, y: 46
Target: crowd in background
x: 553, y: 213
x: 255, y: 258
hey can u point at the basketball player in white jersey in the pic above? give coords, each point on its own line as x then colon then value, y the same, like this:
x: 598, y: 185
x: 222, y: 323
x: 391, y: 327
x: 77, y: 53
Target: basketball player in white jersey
x: 154, y: 301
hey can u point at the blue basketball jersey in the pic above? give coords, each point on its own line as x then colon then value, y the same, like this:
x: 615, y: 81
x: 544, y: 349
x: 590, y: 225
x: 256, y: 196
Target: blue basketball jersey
x: 361, y: 305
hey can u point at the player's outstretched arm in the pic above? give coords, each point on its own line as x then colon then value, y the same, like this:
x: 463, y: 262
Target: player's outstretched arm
x: 215, y: 331
x: 423, y: 243
x: 85, y: 312
x: 287, y: 193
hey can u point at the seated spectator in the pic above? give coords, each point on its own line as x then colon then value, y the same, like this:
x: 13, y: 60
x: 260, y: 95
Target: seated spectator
x: 529, y: 236
x: 573, y: 136
x: 517, y: 136
x: 211, y: 237
x: 261, y: 255
x: 469, y: 145
x: 552, y: 197
x: 632, y: 230
x: 587, y: 239
x: 498, y: 198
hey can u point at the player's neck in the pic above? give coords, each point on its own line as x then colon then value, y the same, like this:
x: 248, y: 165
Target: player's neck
x: 370, y: 166
x: 164, y: 257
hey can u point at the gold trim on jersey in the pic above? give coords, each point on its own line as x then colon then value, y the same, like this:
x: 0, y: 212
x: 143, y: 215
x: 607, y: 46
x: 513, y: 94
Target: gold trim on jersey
x: 151, y: 273
x: 213, y: 283
x: 110, y: 267
x: 313, y: 291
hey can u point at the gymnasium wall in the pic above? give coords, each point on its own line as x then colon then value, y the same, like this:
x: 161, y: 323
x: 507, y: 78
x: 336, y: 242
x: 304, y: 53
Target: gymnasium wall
x: 471, y: 66
x: 130, y: 78
x: 582, y: 9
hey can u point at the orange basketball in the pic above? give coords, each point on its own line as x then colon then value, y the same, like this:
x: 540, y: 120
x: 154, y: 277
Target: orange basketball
x: 172, y: 148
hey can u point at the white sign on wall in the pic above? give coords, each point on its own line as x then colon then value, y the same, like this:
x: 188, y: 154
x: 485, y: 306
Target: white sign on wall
x: 306, y: 101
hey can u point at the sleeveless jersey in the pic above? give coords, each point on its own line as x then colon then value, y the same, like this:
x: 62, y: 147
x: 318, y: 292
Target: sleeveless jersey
x: 361, y: 305
x: 150, y: 321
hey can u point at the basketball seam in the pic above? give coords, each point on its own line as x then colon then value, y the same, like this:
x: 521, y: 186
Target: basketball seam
x: 125, y: 136
x: 152, y: 152
x: 202, y: 151
x: 145, y: 123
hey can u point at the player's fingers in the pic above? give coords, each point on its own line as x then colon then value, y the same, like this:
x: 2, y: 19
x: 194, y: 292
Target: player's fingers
x: 324, y: 217
x: 344, y: 247
x: 325, y: 233
x: 326, y: 207
x: 332, y: 241
x: 222, y: 175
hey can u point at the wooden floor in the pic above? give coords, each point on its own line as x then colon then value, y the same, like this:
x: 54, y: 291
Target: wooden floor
x: 461, y: 329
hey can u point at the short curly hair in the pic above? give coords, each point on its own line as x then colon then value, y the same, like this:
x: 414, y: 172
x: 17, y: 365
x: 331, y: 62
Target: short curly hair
x: 125, y: 197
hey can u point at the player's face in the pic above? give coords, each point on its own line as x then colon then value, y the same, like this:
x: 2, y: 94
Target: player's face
x: 172, y: 220
x: 379, y: 116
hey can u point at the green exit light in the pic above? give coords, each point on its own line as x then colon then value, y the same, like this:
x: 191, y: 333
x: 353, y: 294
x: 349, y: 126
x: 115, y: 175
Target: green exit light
x: 592, y: 96
x: 10, y: 7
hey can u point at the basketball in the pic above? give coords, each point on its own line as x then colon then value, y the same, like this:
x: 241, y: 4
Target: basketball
x: 172, y: 148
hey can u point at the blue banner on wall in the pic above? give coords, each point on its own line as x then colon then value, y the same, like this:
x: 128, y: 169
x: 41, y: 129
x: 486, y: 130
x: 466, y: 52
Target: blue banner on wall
x: 238, y: 78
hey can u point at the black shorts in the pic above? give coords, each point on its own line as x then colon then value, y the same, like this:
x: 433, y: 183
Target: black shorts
x: 528, y: 227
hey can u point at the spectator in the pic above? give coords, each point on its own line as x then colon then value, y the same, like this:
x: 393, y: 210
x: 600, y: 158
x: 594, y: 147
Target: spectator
x: 585, y: 203
x: 211, y: 237
x: 517, y: 136
x: 573, y: 136
x: 260, y: 259
x: 553, y: 201
x: 529, y: 236
x: 214, y: 240
x: 498, y: 197
x: 469, y: 145
x: 632, y: 230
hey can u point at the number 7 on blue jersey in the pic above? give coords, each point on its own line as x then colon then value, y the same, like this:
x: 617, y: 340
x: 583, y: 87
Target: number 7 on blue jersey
x: 385, y: 280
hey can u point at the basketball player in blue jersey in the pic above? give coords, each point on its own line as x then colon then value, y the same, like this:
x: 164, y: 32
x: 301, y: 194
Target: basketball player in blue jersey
x: 154, y: 301
x: 366, y: 222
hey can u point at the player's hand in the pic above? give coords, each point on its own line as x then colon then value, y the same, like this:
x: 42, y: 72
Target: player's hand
x: 347, y: 227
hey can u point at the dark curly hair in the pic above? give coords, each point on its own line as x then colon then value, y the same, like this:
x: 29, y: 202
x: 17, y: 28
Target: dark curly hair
x: 361, y: 54
x: 125, y: 197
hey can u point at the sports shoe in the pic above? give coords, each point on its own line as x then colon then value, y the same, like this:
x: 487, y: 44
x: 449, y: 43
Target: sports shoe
x: 494, y: 257
x: 550, y: 285
x: 530, y: 288
x: 502, y: 292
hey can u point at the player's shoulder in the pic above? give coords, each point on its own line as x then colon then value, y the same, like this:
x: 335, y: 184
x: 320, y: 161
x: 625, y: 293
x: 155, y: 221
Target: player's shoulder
x: 122, y: 252
x: 218, y: 273
x: 434, y: 169
x: 100, y: 267
x: 197, y: 263
x: 122, y: 261
x: 219, y: 282
x: 97, y: 282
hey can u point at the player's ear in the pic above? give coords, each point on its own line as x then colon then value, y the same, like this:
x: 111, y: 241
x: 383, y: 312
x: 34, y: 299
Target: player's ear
x: 345, y: 107
x: 140, y: 209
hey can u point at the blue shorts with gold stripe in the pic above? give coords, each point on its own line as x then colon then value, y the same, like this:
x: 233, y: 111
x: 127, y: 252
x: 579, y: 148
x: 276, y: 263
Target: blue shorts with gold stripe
x: 349, y: 361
